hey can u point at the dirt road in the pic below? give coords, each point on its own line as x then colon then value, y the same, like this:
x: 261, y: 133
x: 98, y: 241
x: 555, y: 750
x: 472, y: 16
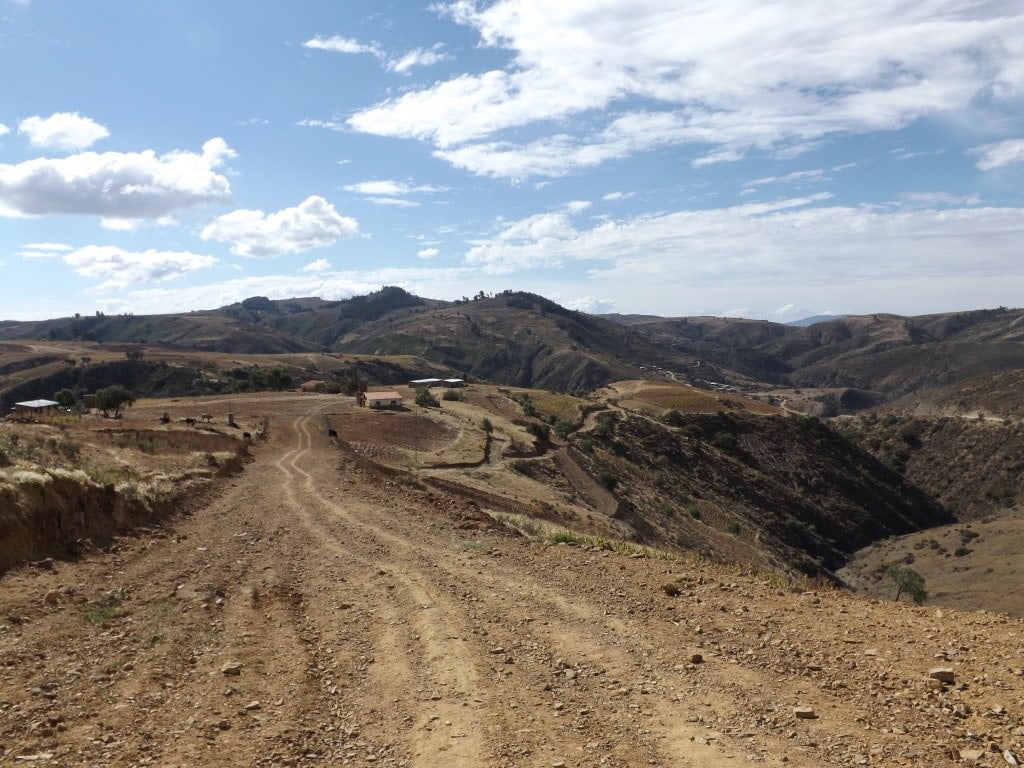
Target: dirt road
x: 316, y: 612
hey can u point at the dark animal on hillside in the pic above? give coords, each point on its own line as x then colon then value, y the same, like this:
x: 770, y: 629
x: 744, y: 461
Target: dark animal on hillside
x: 190, y: 422
x: 246, y: 436
x: 332, y: 433
x: 205, y: 417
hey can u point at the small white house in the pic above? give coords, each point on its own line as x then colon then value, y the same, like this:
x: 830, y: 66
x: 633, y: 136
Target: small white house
x: 386, y: 399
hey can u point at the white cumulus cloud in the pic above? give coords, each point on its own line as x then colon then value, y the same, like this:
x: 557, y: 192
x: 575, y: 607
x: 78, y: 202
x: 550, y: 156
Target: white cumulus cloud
x: 427, y: 253
x: 314, y: 223
x: 320, y: 265
x: 732, y: 75
x: 116, y: 185
x: 67, y: 131
x: 591, y: 305
x: 118, y: 268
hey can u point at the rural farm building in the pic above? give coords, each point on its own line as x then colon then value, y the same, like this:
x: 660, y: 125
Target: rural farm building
x: 387, y: 399
x: 35, y: 408
x: 417, y: 383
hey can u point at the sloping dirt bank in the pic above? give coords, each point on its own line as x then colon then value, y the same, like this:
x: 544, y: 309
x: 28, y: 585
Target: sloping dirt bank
x: 318, y: 613
x: 49, y: 506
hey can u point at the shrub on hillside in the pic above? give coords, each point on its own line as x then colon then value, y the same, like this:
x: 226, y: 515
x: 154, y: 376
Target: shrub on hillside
x: 424, y: 399
x: 608, y: 480
x: 538, y: 430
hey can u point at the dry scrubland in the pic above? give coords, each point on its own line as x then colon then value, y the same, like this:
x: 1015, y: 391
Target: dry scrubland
x: 403, y: 595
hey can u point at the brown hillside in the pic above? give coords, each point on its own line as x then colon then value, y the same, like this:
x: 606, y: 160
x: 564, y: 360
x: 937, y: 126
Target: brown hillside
x: 972, y: 467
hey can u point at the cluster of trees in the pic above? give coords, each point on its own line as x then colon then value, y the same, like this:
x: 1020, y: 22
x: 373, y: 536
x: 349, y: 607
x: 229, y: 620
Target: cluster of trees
x: 259, y: 379
x: 108, y: 399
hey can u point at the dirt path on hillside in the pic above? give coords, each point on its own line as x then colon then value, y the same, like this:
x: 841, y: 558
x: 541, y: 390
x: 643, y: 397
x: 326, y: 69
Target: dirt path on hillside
x: 318, y: 613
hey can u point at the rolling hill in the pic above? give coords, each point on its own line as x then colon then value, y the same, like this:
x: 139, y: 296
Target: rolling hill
x: 521, y: 339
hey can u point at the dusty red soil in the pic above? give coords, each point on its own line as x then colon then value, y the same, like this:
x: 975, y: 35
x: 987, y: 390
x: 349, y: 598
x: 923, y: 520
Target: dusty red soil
x: 317, y: 613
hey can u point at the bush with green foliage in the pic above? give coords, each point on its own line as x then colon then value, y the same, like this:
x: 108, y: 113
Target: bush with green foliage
x: 605, y: 425
x: 692, y: 431
x: 674, y: 418
x: 486, y: 425
x: 424, y: 399
x: 527, y: 405
x: 539, y: 430
x: 564, y: 428
x: 453, y: 395
x: 726, y: 441
x: 608, y: 480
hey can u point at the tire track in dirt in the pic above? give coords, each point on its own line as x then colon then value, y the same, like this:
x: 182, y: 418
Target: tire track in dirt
x: 547, y: 725
x: 581, y: 629
x: 435, y: 662
x: 566, y: 639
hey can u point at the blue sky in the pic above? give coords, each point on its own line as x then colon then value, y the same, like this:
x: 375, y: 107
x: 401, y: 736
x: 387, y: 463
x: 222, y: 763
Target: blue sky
x: 769, y: 159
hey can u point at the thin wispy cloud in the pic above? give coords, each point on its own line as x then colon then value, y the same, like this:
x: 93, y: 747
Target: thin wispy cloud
x: 997, y: 155
x: 419, y: 57
x: 117, y: 268
x: 339, y: 44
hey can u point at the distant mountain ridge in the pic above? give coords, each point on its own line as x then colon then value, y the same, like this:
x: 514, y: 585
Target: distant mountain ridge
x: 523, y: 339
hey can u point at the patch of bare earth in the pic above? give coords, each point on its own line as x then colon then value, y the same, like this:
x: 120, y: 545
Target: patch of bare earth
x: 318, y: 613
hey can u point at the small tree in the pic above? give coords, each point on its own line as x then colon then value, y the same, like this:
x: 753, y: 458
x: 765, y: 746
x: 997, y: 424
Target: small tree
x: 907, y: 580
x: 486, y: 425
x: 113, y: 399
x: 66, y: 398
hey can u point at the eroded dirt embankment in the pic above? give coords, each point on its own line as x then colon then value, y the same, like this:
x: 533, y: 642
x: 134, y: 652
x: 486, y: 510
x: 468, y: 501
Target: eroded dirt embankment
x: 49, y: 512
